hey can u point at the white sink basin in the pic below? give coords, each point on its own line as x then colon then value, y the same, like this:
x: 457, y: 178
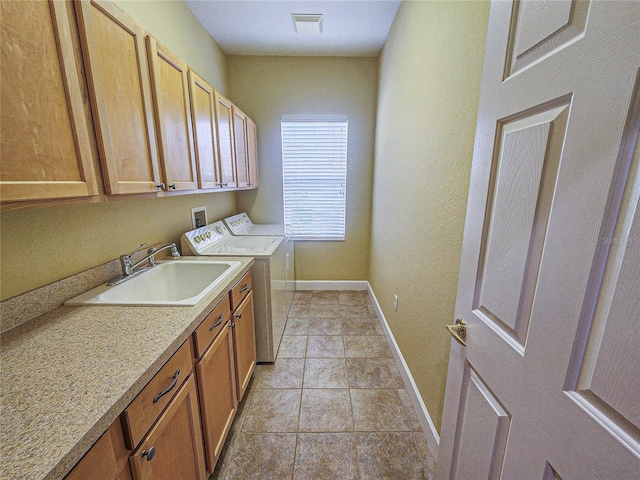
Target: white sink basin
x: 174, y: 282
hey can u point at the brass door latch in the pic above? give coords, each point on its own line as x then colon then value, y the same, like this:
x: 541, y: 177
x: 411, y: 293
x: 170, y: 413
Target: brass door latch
x: 459, y: 331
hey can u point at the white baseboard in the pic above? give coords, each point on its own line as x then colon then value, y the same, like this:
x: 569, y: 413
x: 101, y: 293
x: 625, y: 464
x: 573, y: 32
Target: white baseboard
x: 428, y: 427
x: 332, y: 285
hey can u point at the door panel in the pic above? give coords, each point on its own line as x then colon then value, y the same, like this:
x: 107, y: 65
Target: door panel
x: 117, y: 67
x: 525, y: 167
x: 480, y: 413
x: 542, y: 27
x: 204, y: 131
x: 173, y: 117
x: 550, y: 265
x: 44, y: 138
x: 224, y: 125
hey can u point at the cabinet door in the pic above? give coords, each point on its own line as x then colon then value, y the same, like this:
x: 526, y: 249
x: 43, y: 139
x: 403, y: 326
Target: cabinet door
x: 173, y: 117
x: 252, y: 153
x: 224, y: 125
x: 217, y: 388
x: 120, y: 90
x: 244, y: 343
x: 44, y: 138
x: 204, y: 131
x: 106, y: 460
x: 240, y: 145
x: 173, y: 448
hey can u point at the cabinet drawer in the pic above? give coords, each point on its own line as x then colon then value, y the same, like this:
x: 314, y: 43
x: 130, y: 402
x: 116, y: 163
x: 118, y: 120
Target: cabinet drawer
x: 240, y: 290
x: 211, y: 326
x: 145, y: 408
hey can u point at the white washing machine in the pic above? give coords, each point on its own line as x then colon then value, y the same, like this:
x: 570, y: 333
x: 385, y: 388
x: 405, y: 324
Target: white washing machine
x: 267, y: 276
x: 241, y: 224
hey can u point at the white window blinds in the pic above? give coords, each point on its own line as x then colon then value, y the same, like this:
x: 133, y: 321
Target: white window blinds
x: 314, y: 163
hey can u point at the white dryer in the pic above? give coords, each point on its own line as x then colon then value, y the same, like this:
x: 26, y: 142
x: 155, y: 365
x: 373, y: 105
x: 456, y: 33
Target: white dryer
x: 267, y: 276
x: 241, y: 224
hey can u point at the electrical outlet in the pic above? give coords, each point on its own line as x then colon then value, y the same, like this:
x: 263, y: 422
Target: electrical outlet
x: 395, y: 302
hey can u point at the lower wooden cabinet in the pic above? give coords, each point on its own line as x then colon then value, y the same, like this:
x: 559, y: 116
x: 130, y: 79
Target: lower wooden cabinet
x: 165, y: 423
x: 217, y: 389
x: 244, y: 343
x: 173, y: 450
x: 107, y: 459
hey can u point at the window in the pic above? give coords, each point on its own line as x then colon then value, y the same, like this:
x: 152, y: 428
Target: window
x: 314, y: 165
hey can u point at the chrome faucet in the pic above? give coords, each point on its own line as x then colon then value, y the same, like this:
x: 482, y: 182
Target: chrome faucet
x: 129, y: 268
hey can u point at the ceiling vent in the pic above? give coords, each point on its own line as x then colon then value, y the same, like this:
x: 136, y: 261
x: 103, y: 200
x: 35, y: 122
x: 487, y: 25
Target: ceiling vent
x: 307, y: 23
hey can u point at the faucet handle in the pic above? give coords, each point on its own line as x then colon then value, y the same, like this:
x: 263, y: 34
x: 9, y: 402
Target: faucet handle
x: 131, y: 255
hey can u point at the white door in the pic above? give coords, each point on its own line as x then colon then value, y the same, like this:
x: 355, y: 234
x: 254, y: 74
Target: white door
x: 548, y: 386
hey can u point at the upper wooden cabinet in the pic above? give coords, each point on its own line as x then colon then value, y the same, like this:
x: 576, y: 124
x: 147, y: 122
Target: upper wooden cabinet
x: 205, y: 140
x: 120, y: 90
x: 44, y: 137
x: 240, y: 146
x: 252, y: 153
x: 224, y: 126
x: 173, y: 117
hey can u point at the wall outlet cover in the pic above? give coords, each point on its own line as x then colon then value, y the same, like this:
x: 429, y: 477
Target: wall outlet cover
x: 199, y: 217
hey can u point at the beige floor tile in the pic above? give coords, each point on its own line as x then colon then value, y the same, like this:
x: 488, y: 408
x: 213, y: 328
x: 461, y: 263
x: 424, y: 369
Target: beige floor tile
x: 372, y: 373
x: 353, y: 298
x: 267, y: 456
x: 285, y: 373
x: 300, y: 310
x: 297, y: 326
x: 358, y: 326
x: 293, y: 346
x: 378, y: 410
x: 366, y: 346
x: 326, y: 456
x: 358, y: 311
x: 273, y: 410
x: 324, y: 297
x: 325, y: 347
x: 301, y: 298
x: 389, y: 455
x: 378, y: 328
x: 414, y: 423
x: 325, y: 373
x: 325, y: 310
x: 325, y: 410
x: 425, y: 453
x: 325, y: 326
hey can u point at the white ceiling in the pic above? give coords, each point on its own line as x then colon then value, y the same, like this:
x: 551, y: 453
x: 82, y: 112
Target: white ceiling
x: 264, y: 27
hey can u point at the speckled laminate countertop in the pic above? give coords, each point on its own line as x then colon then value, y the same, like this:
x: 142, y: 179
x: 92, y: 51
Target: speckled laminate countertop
x: 68, y: 374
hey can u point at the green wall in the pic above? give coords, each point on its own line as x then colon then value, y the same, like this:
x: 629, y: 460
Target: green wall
x: 429, y: 84
x: 266, y: 88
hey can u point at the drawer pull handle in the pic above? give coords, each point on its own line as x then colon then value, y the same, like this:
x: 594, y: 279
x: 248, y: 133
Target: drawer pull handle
x: 150, y: 454
x: 238, y: 316
x: 169, y: 388
x: 217, y: 323
x: 244, y: 289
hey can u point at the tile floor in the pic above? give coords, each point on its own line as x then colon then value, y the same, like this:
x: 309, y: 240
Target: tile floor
x: 333, y: 406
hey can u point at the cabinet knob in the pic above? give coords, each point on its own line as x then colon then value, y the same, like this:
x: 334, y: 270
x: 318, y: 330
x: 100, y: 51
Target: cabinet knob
x: 161, y: 186
x: 149, y: 454
x: 172, y: 186
x: 238, y: 316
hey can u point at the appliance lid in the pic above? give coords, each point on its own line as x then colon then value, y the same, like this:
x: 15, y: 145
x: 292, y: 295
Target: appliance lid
x: 215, y: 239
x: 241, y: 224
